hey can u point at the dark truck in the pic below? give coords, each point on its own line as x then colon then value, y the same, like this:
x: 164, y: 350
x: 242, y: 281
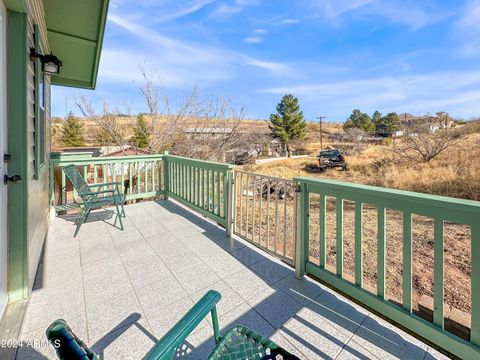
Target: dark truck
x: 331, y: 159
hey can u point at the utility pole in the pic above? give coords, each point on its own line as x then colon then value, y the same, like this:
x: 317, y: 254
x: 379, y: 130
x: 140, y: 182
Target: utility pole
x: 321, y: 135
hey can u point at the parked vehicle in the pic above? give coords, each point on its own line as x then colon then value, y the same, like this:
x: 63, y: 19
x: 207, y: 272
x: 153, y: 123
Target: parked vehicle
x: 331, y: 159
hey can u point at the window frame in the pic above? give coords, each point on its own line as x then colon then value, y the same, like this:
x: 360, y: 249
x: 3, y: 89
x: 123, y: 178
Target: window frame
x: 39, y: 112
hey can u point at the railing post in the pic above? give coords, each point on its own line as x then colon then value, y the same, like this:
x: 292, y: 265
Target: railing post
x: 302, y: 220
x: 229, y: 213
x: 166, y: 175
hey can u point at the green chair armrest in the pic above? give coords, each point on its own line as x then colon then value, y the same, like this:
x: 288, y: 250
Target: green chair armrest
x: 97, y: 192
x: 165, y: 348
x: 104, y: 184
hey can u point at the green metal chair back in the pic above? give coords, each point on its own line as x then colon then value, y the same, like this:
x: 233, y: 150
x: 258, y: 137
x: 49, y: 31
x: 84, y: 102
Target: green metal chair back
x: 78, y: 182
x: 67, y: 345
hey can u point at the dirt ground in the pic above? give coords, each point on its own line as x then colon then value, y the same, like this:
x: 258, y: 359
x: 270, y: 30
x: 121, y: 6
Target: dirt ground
x: 457, y: 291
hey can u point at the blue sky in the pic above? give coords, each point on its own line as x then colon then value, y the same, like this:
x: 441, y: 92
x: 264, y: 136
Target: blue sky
x: 334, y: 55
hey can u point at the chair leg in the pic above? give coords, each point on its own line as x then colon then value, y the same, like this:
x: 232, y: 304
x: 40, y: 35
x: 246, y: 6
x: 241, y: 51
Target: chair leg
x: 119, y: 216
x: 81, y: 220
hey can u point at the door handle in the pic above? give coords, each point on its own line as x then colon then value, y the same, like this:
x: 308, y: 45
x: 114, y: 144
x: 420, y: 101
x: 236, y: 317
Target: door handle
x: 14, y: 179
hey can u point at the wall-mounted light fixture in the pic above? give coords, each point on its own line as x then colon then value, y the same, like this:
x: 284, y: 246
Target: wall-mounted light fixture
x: 50, y: 63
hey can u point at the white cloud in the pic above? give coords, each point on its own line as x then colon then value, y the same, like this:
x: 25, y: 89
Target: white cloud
x: 253, y: 39
x: 409, y: 13
x: 232, y: 8
x: 182, y: 62
x: 193, y: 8
x: 289, y: 21
x: 455, y: 92
x: 467, y: 29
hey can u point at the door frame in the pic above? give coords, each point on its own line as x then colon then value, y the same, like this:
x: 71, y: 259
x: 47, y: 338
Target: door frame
x: 3, y: 165
x: 17, y: 209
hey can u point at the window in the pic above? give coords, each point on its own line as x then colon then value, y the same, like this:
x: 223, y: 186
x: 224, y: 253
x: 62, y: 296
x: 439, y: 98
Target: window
x: 39, y: 117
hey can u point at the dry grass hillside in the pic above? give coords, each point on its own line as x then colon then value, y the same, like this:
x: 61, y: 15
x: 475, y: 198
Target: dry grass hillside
x: 455, y: 172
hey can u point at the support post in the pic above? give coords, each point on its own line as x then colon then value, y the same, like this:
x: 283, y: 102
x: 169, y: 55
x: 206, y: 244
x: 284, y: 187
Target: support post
x: 166, y: 176
x: 302, y: 220
x: 229, y: 197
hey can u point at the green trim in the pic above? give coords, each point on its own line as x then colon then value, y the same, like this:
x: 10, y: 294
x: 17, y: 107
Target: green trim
x: 17, y: 91
x: 38, y: 73
x: 79, y: 46
x: 101, y: 32
x: 452, y: 209
x: 16, y: 5
x: 200, y: 163
x: 423, y: 328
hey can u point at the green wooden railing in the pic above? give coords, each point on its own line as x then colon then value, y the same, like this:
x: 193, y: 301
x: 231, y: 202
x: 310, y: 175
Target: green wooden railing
x: 208, y: 188
x: 440, y: 209
x: 140, y: 176
x: 202, y: 185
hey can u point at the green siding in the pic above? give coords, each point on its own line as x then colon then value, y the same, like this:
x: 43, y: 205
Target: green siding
x: 17, y: 147
x: 37, y: 186
x: 28, y: 202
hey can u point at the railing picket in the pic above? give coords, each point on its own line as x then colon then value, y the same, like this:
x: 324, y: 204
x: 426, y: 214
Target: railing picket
x: 198, y: 174
x: 219, y: 195
x: 475, y: 284
x: 285, y: 195
x: 381, y: 251
x: 358, y: 243
x: 152, y: 164
x: 246, y: 206
x: 241, y: 203
x: 254, y: 189
x: 407, y: 262
x: 138, y: 177
x: 323, y: 227
x: 130, y: 178
x: 438, y: 318
x: 268, y: 213
x: 145, y: 176
x: 95, y: 173
x: 275, y: 231
x: 339, y: 244
x: 260, y: 197
x: 64, y: 189
x: 122, y: 185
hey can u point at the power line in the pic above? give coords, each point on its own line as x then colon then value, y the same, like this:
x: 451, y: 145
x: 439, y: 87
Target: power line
x: 321, y: 135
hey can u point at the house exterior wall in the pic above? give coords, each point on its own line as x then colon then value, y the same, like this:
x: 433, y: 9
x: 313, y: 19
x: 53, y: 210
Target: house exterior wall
x: 38, y: 188
x: 28, y: 207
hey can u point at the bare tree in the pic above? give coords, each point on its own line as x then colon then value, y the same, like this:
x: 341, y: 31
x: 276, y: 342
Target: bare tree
x: 424, y: 141
x: 200, y: 127
x: 357, y: 137
x: 108, y: 129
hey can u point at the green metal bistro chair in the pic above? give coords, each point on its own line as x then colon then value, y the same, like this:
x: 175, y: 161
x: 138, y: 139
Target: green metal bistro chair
x: 238, y: 343
x: 95, y: 199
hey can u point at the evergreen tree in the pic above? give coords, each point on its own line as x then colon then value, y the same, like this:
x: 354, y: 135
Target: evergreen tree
x: 359, y: 120
x: 377, y: 118
x: 72, y: 132
x: 388, y: 123
x: 288, y: 123
x: 141, y: 133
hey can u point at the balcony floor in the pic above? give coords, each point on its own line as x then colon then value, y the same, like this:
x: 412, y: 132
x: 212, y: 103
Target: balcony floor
x: 120, y: 291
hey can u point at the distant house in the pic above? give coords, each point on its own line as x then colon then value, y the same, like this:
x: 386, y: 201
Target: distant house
x: 125, y: 150
x: 207, y: 132
x: 429, y: 124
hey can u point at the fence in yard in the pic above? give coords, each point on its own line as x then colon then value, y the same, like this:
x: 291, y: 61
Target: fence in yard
x: 305, y: 223
x: 264, y: 213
